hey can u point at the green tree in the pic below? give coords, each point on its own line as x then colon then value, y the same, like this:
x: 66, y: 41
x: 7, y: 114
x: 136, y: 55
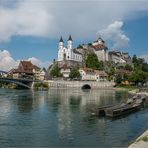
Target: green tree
x: 134, y: 59
x: 55, y: 72
x: 74, y: 73
x: 93, y: 62
x: 118, y: 79
x: 128, y: 67
x: 139, y: 76
x: 145, y: 67
x: 80, y: 46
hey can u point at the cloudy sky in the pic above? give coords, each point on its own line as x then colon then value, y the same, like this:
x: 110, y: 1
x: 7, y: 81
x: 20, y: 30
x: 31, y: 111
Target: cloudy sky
x: 30, y: 29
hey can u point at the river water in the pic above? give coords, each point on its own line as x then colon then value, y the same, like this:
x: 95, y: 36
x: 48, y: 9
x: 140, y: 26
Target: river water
x: 61, y: 118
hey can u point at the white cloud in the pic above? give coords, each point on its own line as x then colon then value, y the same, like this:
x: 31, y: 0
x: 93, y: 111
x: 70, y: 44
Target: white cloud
x: 25, y: 19
x: 115, y: 34
x: 52, y: 18
x: 145, y: 56
x: 7, y: 62
x: 39, y: 63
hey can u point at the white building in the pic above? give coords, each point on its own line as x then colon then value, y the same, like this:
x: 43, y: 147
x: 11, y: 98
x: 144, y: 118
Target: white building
x: 68, y: 57
x: 89, y: 74
x: 119, y: 57
x: 68, y: 53
x: 40, y: 74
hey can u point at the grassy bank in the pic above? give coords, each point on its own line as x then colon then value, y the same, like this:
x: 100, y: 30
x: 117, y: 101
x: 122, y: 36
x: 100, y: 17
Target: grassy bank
x: 127, y: 88
x: 41, y: 86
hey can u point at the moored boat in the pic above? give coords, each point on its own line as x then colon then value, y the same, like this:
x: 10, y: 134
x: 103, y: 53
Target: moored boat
x: 129, y: 106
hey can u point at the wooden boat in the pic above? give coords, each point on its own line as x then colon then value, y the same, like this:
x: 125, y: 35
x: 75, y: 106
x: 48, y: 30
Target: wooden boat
x: 101, y: 110
x: 126, y: 108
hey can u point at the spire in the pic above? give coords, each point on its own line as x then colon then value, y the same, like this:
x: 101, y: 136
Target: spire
x: 70, y: 38
x: 61, y: 39
x: 100, y: 39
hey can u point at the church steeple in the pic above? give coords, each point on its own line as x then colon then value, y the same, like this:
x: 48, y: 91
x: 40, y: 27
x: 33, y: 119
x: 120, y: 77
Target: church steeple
x: 61, y: 39
x: 70, y: 38
x: 61, y: 43
x: 69, y: 42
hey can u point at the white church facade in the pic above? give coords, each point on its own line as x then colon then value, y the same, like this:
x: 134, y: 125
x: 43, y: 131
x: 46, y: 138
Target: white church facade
x: 68, y: 56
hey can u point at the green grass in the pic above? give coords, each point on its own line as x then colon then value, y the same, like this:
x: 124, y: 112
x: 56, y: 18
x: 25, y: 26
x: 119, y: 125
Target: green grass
x: 127, y: 87
x: 145, y: 138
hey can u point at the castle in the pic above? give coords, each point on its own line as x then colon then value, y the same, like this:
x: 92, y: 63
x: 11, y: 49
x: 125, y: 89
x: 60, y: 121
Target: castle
x: 69, y: 57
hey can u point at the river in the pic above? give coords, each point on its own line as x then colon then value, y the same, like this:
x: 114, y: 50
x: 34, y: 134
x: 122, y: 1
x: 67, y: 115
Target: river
x: 61, y: 118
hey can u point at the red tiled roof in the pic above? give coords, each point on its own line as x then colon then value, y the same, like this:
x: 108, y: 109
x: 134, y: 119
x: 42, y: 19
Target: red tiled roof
x: 88, y: 70
x: 99, y: 46
x: 95, y: 72
x: 25, y: 67
x: 101, y: 73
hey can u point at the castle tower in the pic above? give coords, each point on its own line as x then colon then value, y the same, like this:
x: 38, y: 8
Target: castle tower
x: 69, y: 42
x: 61, y: 43
x: 101, y: 41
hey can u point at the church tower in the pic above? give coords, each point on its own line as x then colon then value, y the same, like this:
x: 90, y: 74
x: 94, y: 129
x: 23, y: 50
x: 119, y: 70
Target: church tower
x: 69, y: 42
x: 61, y: 46
x: 61, y: 43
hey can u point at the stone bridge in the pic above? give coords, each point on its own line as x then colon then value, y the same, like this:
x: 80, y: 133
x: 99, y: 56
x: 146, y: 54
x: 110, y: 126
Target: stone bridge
x: 80, y: 84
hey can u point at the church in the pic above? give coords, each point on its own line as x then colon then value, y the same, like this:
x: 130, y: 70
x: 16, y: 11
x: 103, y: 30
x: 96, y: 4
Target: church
x: 68, y: 56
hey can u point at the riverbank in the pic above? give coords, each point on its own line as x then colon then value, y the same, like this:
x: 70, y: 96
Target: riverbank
x: 141, y: 142
x: 135, y: 92
x: 126, y: 88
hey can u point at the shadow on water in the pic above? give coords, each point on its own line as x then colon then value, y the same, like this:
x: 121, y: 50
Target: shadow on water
x: 25, y: 101
x: 75, y: 101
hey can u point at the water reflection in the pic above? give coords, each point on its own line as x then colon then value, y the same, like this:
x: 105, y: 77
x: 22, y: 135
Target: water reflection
x: 61, y: 118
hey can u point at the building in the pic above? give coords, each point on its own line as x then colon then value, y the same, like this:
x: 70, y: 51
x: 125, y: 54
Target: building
x: 65, y: 71
x: 68, y: 55
x: 120, y: 57
x: 100, y: 49
x: 40, y: 74
x: 27, y: 70
x: 89, y: 74
x: 3, y: 73
x: 101, y: 75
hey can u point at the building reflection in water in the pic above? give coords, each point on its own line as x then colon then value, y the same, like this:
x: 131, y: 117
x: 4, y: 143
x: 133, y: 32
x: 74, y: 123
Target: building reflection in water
x: 72, y: 107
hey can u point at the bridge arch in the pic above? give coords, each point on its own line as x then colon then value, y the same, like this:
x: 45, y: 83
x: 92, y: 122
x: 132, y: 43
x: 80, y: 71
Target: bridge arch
x: 15, y: 81
x: 86, y: 86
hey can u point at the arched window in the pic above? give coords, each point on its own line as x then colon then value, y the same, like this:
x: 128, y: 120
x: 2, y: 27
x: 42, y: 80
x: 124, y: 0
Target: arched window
x: 64, y: 56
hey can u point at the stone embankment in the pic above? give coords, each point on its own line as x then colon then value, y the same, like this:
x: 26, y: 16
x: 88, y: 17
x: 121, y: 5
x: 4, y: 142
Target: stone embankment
x: 79, y: 84
x: 136, y: 92
x: 141, y: 142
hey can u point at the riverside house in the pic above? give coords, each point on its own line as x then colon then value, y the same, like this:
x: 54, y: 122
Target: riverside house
x: 89, y: 74
x: 27, y: 70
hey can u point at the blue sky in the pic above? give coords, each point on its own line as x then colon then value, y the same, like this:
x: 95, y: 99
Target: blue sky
x: 31, y: 29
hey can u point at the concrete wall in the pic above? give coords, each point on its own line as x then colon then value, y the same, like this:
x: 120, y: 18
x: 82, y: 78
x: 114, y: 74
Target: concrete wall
x: 79, y: 84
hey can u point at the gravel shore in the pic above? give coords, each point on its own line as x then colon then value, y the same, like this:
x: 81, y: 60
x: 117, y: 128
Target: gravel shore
x: 141, y: 142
